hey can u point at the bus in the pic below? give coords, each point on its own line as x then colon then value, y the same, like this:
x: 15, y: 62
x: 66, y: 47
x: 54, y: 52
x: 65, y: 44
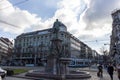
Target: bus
x: 80, y: 63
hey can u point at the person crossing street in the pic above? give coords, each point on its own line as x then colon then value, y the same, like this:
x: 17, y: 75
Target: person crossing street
x: 100, y: 71
x: 110, y: 70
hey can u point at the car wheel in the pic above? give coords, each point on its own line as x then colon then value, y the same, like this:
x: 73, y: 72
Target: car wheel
x: 3, y: 76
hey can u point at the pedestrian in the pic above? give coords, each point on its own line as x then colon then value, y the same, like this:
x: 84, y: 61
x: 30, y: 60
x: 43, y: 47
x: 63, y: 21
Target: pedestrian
x: 110, y: 70
x: 118, y: 71
x: 100, y: 71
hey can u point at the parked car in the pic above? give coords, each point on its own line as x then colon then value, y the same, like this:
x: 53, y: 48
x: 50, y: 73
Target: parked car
x: 2, y: 72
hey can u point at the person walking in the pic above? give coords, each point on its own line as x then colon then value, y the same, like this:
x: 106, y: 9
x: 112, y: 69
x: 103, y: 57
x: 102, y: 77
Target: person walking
x: 100, y: 71
x: 118, y: 71
x: 110, y: 70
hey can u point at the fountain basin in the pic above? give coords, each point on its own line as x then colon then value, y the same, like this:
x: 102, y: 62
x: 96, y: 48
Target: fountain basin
x: 72, y: 75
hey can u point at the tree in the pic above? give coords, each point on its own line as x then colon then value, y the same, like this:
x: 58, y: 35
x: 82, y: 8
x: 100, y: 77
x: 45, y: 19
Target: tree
x: 104, y: 51
x: 105, y: 54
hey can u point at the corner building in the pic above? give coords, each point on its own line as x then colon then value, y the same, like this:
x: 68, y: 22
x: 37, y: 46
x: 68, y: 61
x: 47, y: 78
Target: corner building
x: 33, y: 47
x: 115, y: 37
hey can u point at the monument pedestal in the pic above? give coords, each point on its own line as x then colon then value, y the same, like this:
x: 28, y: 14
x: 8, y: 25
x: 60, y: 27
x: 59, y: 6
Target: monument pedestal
x: 53, y: 62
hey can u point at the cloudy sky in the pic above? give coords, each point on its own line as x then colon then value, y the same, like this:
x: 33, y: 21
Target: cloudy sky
x: 88, y: 20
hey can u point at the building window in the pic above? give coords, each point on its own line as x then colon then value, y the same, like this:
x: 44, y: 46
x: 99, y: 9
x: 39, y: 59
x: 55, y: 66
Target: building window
x: 65, y: 36
x: 61, y: 35
x: 37, y: 38
x: 34, y: 38
x: 45, y: 36
x: 50, y: 36
x: 23, y: 50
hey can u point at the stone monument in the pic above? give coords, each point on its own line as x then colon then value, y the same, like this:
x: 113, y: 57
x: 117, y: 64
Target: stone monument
x: 57, y: 63
x: 53, y: 59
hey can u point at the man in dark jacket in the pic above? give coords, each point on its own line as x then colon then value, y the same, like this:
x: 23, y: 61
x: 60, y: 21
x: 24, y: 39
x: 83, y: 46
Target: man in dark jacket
x: 110, y: 70
x: 100, y: 71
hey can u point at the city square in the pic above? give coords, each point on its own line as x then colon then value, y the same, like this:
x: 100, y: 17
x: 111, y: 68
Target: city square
x: 59, y: 40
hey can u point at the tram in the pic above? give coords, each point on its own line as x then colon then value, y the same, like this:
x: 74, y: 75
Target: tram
x: 80, y: 63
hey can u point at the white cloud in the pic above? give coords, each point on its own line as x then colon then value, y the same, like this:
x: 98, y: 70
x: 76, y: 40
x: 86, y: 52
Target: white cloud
x: 87, y: 19
x: 67, y: 13
x: 12, y: 15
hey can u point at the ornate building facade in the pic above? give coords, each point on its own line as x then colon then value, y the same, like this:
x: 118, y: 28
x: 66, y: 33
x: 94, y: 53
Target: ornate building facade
x: 32, y: 47
x: 115, y: 37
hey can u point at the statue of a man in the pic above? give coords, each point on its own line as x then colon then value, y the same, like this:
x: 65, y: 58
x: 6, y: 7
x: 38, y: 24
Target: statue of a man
x: 56, y: 28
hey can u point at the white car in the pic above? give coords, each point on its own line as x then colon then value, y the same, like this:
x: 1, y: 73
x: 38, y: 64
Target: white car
x: 2, y: 72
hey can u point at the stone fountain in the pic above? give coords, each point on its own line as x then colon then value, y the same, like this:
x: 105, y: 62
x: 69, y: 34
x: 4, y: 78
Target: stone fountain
x: 57, y: 62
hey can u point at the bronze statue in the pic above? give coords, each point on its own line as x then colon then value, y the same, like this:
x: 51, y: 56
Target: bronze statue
x: 56, y: 28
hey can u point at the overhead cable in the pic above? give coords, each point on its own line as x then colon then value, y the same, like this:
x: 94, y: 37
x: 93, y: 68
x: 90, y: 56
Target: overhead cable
x: 1, y: 21
x: 14, y: 4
